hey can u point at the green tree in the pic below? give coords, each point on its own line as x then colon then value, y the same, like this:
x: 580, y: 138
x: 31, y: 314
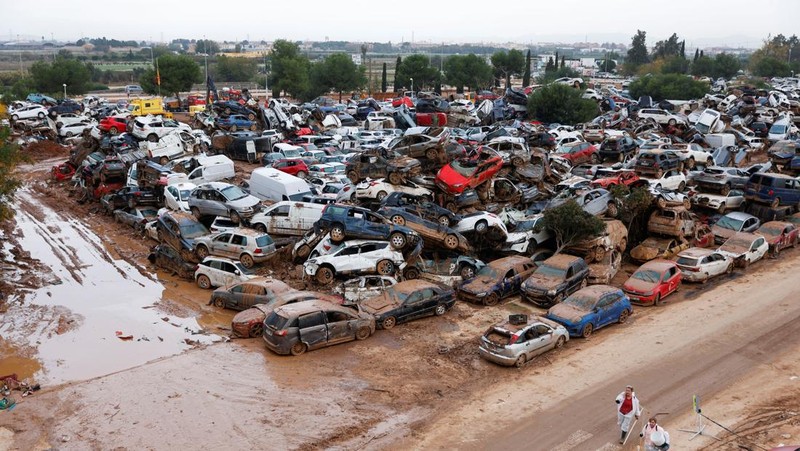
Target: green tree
x: 570, y: 224
x: 560, y: 103
x: 675, y: 65
x: 290, y: 69
x: 607, y: 64
x: 235, y: 68
x: 668, y: 86
x: 558, y: 73
x: 207, y: 46
x: 508, y: 64
x: 51, y: 77
x: 769, y: 66
x: 774, y: 57
x: 397, y: 85
x: 10, y: 157
x: 417, y: 67
x: 384, y: 81
x: 467, y: 71
x: 634, y: 209
x: 178, y: 73
x: 637, y: 54
x: 667, y: 48
x: 703, y: 66
x: 338, y: 72
x: 726, y: 65
x: 526, y: 76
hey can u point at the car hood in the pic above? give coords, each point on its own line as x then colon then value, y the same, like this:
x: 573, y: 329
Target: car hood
x: 542, y: 282
x: 247, y: 201
x: 638, y: 285
x: 479, y: 285
x: 379, y: 304
x: 644, y: 253
x: 722, y: 231
x: 567, y: 312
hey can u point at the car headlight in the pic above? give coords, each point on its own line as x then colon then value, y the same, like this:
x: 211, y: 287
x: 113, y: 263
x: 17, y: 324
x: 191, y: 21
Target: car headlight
x: 480, y: 295
x: 551, y: 292
x: 458, y: 185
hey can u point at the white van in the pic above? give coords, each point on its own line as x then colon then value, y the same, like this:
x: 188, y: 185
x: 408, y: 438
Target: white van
x: 287, y: 218
x: 272, y: 184
x: 212, y: 169
x: 287, y: 150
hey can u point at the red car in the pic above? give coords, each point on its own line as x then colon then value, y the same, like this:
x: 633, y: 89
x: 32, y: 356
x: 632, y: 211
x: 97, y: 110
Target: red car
x: 396, y: 102
x: 297, y: 168
x: 113, y: 125
x: 431, y: 119
x: 652, y: 282
x: 578, y: 152
x: 485, y: 95
x: 627, y: 178
x: 465, y: 173
x: 779, y: 234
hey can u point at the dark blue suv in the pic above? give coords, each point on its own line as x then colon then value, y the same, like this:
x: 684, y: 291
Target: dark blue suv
x: 344, y: 221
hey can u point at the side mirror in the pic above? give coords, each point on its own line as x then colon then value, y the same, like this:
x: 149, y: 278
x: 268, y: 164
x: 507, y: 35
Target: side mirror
x: 237, y: 272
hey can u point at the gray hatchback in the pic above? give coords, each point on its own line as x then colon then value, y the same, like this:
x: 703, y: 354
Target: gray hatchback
x: 520, y: 338
x: 296, y: 328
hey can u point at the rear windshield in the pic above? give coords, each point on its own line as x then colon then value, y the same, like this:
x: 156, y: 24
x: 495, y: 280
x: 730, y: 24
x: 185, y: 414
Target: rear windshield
x: 551, y: 271
x: 687, y: 261
x: 726, y: 222
x: 276, y: 321
x: 264, y: 241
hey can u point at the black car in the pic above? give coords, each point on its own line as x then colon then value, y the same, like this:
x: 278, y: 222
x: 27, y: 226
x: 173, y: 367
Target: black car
x: 228, y: 108
x: 421, y: 207
x: 65, y: 106
x: 761, y: 129
x: 409, y: 300
x: 652, y: 163
x: 543, y: 139
x: 618, y: 149
x: 347, y: 120
x: 347, y: 222
x: 166, y: 257
x: 555, y: 279
x: 130, y: 196
x: 179, y: 230
x: 434, y: 105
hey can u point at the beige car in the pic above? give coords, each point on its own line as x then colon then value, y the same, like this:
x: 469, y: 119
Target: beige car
x: 614, y: 238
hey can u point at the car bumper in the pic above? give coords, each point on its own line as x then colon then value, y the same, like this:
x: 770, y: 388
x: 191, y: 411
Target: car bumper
x: 691, y: 276
x: 495, y: 357
x: 470, y: 297
x: 538, y: 298
x: 278, y: 348
x: 641, y: 299
x: 311, y: 269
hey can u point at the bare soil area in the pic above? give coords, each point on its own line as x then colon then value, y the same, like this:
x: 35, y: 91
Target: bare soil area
x: 734, y: 342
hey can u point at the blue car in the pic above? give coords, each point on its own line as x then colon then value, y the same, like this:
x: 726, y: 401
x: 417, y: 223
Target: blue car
x: 591, y: 308
x: 348, y: 222
x: 235, y: 122
x: 35, y: 97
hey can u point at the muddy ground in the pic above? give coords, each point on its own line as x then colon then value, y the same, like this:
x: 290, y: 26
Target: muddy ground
x: 420, y: 385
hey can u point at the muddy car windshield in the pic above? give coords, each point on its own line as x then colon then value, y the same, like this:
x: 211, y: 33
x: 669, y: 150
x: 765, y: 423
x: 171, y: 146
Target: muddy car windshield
x: 735, y: 245
x: 488, y: 271
x: 726, y: 222
x: 233, y: 193
x: 647, y: 275
x: 464, y: 167
x: 394, y: 294
x: 276, y: 321
x: 193, y: 230
x: 550, y: 272
x: 771, y: 231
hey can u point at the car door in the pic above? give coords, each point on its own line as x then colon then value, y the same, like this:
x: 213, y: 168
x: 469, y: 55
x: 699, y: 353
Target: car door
x: 171, y: 198
x: 758, y: 249
x: 229, y: 273
x: 346, y: 260
x: 534, y: 341
x: 279, y: 222
x: 604, y: 310
x: 670, y: 281
x: 237, y: 245
x: 340, y: 326
x: 510, y: 282
x: 411, y: 308
x: 313, y: 329
x: 219, y: 245
x: 374, y: 226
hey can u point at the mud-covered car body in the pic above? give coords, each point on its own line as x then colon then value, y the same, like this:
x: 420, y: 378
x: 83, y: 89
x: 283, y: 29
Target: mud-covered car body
x: 355, y: 257
x: 745, y: 248
x: 167, y: 258
x: 514, y: 343
x: 554, y: 279
x: 657, y: 163
x: 409, y: 300
x: 378, y: 164
x: 348, y: 222
x: 699, y: 264
x: 722, y: 179
x: 497, y: 280
x: 613, y: 238
x: 246, y: 294
x: 249, y: 323
x: 658, y: 247
x: 779, y: 234
x: 719, y: 202
x: 421, y: 207
x: 180, y: 230
x: 433, y: 233
x: 591, y: 308
x: 652, y: 282
x: 465, y: 173
x: 674, y: 221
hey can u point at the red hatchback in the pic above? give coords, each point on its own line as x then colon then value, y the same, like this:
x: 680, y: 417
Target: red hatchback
x: 578, y: 153
x: 113, y: 125
x: 779, y: 234
x: 466, y: 173
x: 297, y: 168
x: 652, y: 282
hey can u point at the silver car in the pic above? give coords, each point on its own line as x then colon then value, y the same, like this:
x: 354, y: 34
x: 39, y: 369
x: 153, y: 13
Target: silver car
x: 247, y: 245
x: 223, y: 199
x: 520, y: 338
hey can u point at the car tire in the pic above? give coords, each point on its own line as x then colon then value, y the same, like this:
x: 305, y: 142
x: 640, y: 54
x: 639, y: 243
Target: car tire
x: 251, y: 117
x: 302, y: 174
x: 219, y: 302
x: 14, y: 117
x: 163, y: 161
x: 337, y: 233
x: 41, y: 115
x: 256, y: 330
x: 440, y: 310
x: 491, y: 299
x: 132, y: 202
x: 113, y: 131
x: 775, y: 202
x: 362, y: 333
x: 253, y: 127
x: 324, y: 275
x: 659, y: 173
x: 612, y: 211
x: 452, y: 207
x: 201, y: 251
x: 353, y: 176
x: 725, y: 190
x: 672, y: 122
x: 599, y: 253
x: 247, y: 260
x: 450, y: 241
x: 232, y: 128
x: 657, y: 300
x: 681, y: 186
x: 70, y: 134
x: 517, y: 162
x: 388, y: 322
x: 431, y: 154
x: 729, y: 269
x: 152, y: 137
x: 481, y: 226
x: 623, y: 244
x: 691, y: 163
x: 395, y: 178
x: 398, y: 240
x: 260, y: 227
x: 443, y: 221
x: 298, y: 348
x: 384, y: 267
x: 623, y: 316
x: 203, y: 282
x: 560, y: 342
x: 587, y: 330
x: 235, y: 218
x: 467, y: 271
x: 381, y: 195
x: 520, y: 361
x: 399, y: 220
x: 661, y: 203
x: 411, y: 273
x: 595, y: 159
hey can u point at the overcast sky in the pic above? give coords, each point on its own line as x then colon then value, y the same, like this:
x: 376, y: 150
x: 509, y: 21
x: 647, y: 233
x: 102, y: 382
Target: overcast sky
x: 700, y: 22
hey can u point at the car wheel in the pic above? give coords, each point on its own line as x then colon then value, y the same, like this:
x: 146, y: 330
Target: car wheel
x: 395, y: 178
x: 251, y: 117
x: 657, y: 300
x: 440, y: 310
x: 443, y: 221
x: 14, y: 117
x: 260, y: 227
x: 385, y: 267
x: 729, y: 269
x: 163, y: 161
x: 303, y: 251
x: 235, y: 218
x: 381, y: 195
x: 152, y: 137
x: 517, y: 162
x: 621, y: 157
x: 399, y: 220
x: 560, y: 342
x: 623, y: 316
x: 201, y: 251
x: 70, y: 134
x: 398, y: 240
x: 388, y: 322
x: 691, y: 163
x: 491, y: 299
x: 687, y: 204
x: 301, y: 174
x: 775, y: 202
x: 247, y: 260
x: 256, y: 330
x: 219, y: 302
x: 481, y: 226
x: 623, y: 244
x: 672, y: 122
x: 599, y: 253
x: 113, y: 131
x: 451, y: 242
x: 362, y: 333
x: 659, y: 173
x: 337, y: 233
x: 467, y: 271
x: 298, y: 348
x: 587, y: 330
x: 196, y: 213
x: 253, y: 127
x: 661, y: 203
x: 595, y: 159
x: 431, y: 154
x: 132, y: 202
x: 725, y: 190
x: 227, y: 111
x: 452, y: 207
x: 612, y: 210
x: 41, y: 115
x: 203, y: 282
x: 681, y: 186
x: 520, y: 361
x: 411, y: 273
x: 353, y: 176
x: 232, y: 128
x: 324, y: 275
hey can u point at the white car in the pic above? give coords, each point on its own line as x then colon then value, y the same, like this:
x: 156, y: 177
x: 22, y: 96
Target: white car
x: 74, y: 129
x: 152, y: 128
x: 732, y: 201
x: 745, y: 248
x: 525, y: 239
x: 326, y: 169
x: 575, y: 82
x: 70, y: 118
x: 480, y: 222
x: 699, y: 264
x: 29, y: 112
x: 176, y: 196
x: 364, y: 287
x: 380, y: 188
x: 219, y: 272
x: 663, y: 117
x: 591, y: 94
x: 355, y: 257
x: 690, y: 153
x: 670, y: 180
